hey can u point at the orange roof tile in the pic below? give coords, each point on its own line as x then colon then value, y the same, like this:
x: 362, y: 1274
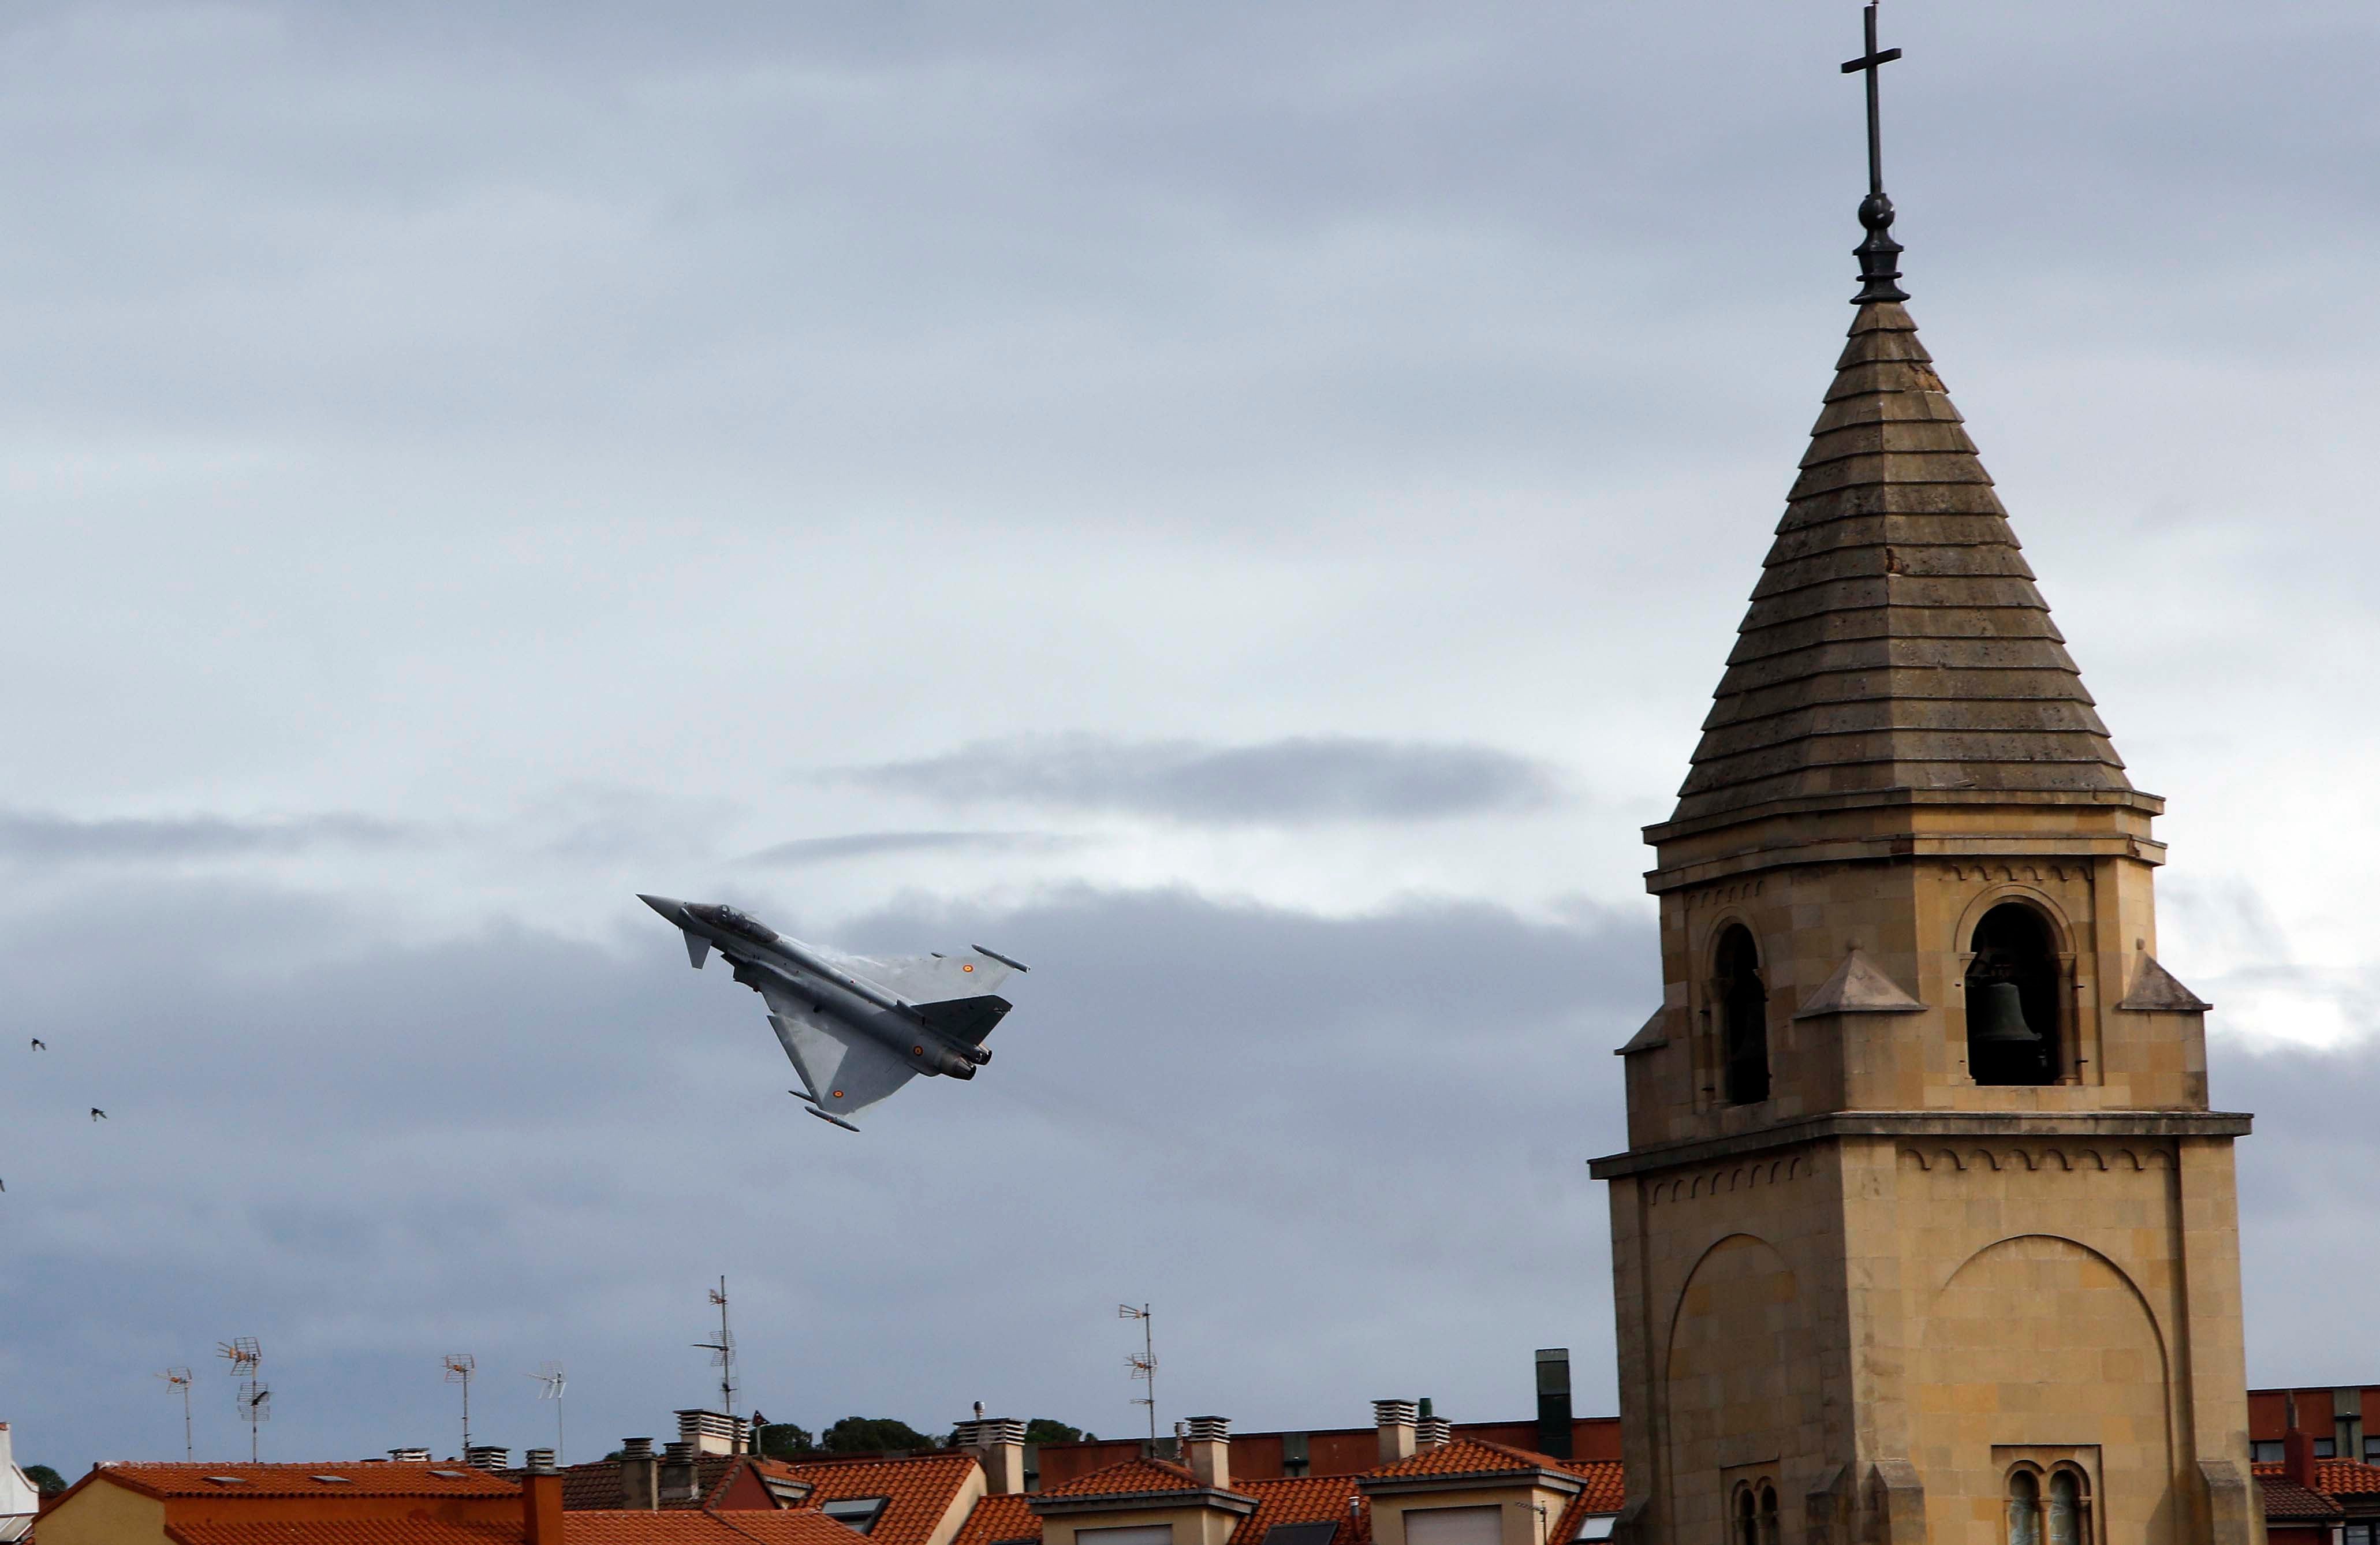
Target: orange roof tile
x: 1607, y: 1490
x: 2332, y: 1477
x: 1133, y: 1475
x: 1468, y: 1456
x: 1009, y: 1515
x: 699, y: 1527
x: 2286, y: 1500
x: 380, y: 1479
x: 1303, y: 1499
x: 918, y: 1490
x: 346, y: 1531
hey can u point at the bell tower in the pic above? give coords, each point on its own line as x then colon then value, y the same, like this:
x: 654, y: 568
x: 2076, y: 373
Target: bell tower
x: 1925, y: 1230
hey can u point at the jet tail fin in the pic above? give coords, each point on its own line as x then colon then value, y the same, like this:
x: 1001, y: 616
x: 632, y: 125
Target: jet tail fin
x: 968, y: 1020
x: 698, y: 949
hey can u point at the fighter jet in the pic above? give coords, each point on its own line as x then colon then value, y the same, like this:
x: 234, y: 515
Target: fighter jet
x: 855, y: 1028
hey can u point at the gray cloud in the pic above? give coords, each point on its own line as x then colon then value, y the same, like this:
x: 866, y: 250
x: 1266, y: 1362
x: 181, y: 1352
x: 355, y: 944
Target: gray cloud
x: 528, y: 1148
x: 870, y: 845
x: 41, y: 838
x: 1327, y: 778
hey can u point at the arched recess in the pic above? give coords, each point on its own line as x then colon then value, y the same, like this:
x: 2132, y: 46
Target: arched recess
x: 1738, y: 999
x: 2020, y: 961
x: 2037, y: 1340
x: 1738, y: 1379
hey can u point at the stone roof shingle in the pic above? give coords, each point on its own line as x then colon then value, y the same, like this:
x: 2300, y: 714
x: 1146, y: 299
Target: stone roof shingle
x: 1895, y: 640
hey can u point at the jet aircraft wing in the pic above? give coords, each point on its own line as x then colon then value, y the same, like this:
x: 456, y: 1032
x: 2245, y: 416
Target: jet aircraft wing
x: 929, y: 979
x: 844, y: 1071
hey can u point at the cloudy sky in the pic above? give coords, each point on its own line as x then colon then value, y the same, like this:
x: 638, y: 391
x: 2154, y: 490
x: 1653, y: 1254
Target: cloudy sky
x: 1241, y: 506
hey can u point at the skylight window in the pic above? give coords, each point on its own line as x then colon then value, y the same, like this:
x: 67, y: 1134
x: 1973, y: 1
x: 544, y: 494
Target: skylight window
x: 857, y: 1513
x: 449, y: 1475
x: 1599, y: 1527
x: 332, y: 1480
x: 228, y: 1481
x: 1321, y: 1532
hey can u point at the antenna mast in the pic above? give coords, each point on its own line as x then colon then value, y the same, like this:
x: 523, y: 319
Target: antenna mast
x: 460, y: 1365
x: 1144, y: 1367
x: 552, y: 1377
x: 244, y: 1359
x: 179, y: 1379
x: 723, y: 1352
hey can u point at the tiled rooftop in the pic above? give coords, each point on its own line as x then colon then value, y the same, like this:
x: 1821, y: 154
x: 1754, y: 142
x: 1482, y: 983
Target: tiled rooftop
x: 2288, y: 1501
x: 2332, y: 1477
x: 345, y: 1531
x: 379, y: 1479
x: 1303, y: 1499
x: 918, y: 1490
x: 1133, y: 1475
x: 699, y: 1527
x: 1007, y: 1516
x: 1468, y: 1456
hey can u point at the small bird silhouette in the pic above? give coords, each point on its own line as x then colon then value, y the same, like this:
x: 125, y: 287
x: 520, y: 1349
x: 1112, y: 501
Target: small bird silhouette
x: 37, y: 1044
x: 98, y: 1114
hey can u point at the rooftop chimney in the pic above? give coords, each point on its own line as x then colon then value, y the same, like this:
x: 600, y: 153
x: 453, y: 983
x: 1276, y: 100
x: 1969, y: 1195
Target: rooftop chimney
x: 1395, y: 1419
x: 1430, y: 1429
x: 2297, y: 1452
x: 411, y: 1456
x: 641, y: 1483
x: 1553, y: 1401
x: 998, y: 1445
x: 712, y: 1431
x: 678, y: 1473
x: 542, y: 1503
x: 488, y: 1456
x: 1209, y: 1443
x: 537, y: 1461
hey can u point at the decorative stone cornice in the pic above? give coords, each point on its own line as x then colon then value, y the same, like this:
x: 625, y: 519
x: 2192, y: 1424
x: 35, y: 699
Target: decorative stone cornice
x: 1958, y: 1124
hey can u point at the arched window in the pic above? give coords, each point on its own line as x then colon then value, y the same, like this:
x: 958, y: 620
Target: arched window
x: 2069, y: 1508
x: 2024, y: 1508
x: 1743, y: 1017
x: 1767, y: 1514
x: 2012, y: 999
x: 1747, y: 1517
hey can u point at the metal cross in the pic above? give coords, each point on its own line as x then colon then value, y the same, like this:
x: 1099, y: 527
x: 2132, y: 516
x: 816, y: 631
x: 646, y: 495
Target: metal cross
x: 1879, y: 254
x: 1871, y: 62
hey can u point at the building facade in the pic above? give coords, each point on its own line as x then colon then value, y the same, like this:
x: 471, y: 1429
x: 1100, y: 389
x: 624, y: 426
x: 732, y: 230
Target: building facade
x: 1925, y: 1230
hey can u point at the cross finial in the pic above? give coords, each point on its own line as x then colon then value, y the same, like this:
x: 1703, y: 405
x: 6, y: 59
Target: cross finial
x: 1878, y: 253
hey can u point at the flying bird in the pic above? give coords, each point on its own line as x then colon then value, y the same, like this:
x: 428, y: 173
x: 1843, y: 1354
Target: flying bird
x: 37, y: 1044
x: 854, y: 1028
x: 98, y: 1114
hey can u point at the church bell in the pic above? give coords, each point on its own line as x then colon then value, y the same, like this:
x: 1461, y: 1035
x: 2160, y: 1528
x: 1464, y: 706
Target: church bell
x: 1999, y: 1016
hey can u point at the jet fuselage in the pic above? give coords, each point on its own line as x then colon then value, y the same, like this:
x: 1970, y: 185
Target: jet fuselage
x: 751, y: 947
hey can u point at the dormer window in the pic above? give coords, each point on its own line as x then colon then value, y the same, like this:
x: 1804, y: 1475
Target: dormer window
x: 2013, y: 1021
x: 856, y: 1512
x: 1743, y: 1001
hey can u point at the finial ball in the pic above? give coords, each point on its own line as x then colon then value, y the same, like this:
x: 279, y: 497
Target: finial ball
x: 1876, y: 213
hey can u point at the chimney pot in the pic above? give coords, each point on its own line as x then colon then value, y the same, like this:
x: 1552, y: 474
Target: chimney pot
x: 537, y: 1461
x: 488, y: 1456
x: 409, y: 1455
x: 1395, y: 1419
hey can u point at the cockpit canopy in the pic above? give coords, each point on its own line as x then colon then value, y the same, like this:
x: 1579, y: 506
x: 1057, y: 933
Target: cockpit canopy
x: 730, y: 919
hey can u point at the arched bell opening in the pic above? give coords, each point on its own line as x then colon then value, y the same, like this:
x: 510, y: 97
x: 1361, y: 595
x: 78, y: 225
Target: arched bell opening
x: 2012, y: 1019
x: 1743, y: 1000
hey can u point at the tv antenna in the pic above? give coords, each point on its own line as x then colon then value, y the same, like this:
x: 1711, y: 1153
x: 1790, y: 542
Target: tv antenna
x: 242, y: 1358
x: 460, y: 1365
x: 179, y: 1379
x: 554, y: 1381
x: 723, y: 1352
x: 1144, y: 1367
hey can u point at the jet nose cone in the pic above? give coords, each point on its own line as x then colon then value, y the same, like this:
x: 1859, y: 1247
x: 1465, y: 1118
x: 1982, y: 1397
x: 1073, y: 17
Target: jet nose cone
x: 665, y: 906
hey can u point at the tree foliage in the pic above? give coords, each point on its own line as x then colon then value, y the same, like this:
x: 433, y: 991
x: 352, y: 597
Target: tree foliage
x: 873, y: 1435
x: 47, y: 1481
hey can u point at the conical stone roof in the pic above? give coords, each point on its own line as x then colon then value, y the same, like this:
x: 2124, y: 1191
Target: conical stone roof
x: 1896, y: 641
